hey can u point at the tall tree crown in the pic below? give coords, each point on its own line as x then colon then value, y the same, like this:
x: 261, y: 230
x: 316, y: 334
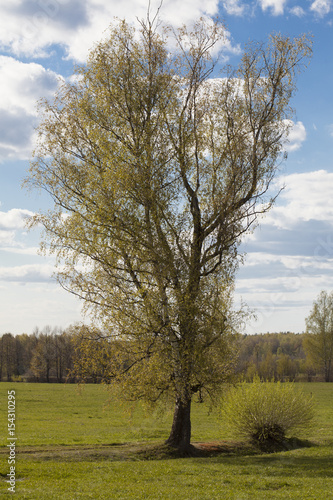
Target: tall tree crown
x: 156, y: 170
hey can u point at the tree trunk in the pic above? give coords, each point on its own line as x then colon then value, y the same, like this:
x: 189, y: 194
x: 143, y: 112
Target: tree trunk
x: 180, y: 435
x: 328, y: 371
x: 47, y: 371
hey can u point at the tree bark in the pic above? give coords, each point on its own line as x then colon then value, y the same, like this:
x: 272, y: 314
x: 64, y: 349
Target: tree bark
x: 328, y: 371
x: 180, y: 435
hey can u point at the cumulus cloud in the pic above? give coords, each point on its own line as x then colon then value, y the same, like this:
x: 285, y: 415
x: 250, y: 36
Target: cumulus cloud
x: 12, y: 236
x: 281, y: 292
x: 290, y: 262
x: 298, y: 11
x: 234, y: 7
x: 14, y: 218
x: 276, y: 6
x: 321, y: 7
x: 30, y: 27
x: 296, y: 136
x: 306, y: 197
x: 289, y: 257
x: 32, y: 273
x: 281, y: 288
x: 21, y: 85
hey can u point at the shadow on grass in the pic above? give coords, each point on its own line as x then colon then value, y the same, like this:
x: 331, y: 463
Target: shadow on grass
x: 144, y: 451
x: 289, y: 465
x: 286, y: 444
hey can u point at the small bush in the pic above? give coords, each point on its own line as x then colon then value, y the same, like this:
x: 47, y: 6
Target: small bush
x: 265, y: 412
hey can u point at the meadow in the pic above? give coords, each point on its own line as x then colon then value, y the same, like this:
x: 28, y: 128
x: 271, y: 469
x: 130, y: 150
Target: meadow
x: 82, y: 443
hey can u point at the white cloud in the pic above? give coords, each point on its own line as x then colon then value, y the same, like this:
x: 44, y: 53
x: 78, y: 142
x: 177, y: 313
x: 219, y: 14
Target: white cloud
x: 289, y: 258
x: 30, y: 27
x: 14, y: 218
x: 302, y: 264
x: 7, y: 237
x: 321, y: 7
x: 298, y: 11
x: 281, y: 289
x: 296, y: 136
x: 277, y: 6
x: 21, y: 85
x: 306, y: 197
x: 33, y: 273
x: 13, y: 238
x: 234, y: 7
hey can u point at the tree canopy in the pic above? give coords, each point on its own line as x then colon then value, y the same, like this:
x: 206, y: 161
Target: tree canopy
x: 157, y: 167
x: 318, y: 342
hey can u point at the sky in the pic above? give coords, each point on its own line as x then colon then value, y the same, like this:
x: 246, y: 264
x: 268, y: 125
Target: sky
x: 288, y: 259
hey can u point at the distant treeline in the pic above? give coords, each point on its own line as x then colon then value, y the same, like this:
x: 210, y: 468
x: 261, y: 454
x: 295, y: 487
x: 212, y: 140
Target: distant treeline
x: 44, y: 356
x: 48, y: 355
x: 279, y: 356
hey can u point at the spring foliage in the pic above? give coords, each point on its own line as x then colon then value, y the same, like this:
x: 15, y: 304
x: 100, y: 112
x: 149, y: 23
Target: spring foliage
x: 156, y: 171
x: 266, y: 412
x: 318, y: 342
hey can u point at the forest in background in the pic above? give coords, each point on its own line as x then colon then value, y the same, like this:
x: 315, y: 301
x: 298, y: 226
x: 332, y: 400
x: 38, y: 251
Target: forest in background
x: 48, y: 355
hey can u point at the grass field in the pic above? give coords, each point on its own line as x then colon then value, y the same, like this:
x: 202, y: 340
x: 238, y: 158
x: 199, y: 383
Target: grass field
x: 84, y: 444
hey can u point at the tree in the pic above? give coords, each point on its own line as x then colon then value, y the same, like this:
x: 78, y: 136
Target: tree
x: 318, y: 342
x: 8, y: 357
x: 156, y: 170
x: 286, y: 368
x: 267, y: 367
x: 63, y: 355
x: 44, y: 356
x: 92, y: 355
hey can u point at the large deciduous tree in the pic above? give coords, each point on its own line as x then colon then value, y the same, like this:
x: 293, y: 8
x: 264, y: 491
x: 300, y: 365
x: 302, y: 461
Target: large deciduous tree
x: 157, y: 167
x: 318, y: 342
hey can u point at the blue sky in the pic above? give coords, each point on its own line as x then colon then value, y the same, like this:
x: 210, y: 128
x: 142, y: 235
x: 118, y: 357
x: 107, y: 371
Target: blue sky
x: 289, y: 257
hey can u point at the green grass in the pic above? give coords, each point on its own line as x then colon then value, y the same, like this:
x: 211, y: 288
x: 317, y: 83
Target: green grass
x: 67, y: 415
x: 72, y: 444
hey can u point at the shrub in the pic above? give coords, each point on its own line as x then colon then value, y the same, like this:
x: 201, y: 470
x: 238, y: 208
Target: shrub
x: 265, y: 412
